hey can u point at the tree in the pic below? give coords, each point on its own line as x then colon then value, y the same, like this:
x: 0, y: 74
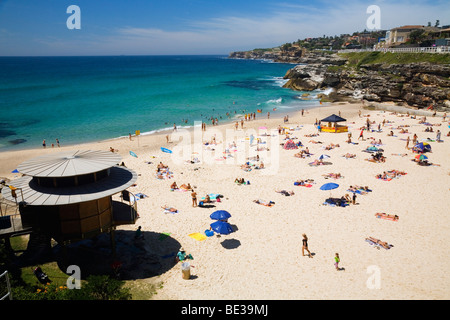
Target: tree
x: 437, y: 23
x: 416, y: 36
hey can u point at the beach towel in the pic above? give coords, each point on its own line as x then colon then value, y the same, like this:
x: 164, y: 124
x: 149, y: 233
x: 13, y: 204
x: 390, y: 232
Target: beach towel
x: 172, y: 212
x: 140, y: 196
x: 198, y: 236
x: 336, y: 202
x: 302, y: 185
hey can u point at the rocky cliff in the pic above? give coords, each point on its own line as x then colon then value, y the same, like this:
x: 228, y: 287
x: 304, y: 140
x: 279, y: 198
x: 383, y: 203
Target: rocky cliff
x: 290, y: 55
x: 413, y: 84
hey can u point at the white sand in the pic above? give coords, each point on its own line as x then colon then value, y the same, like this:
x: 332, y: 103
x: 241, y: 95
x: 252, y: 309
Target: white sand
x: 267, y: 263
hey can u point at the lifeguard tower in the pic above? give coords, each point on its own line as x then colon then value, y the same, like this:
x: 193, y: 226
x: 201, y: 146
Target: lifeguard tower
x: 332, y: 124
x: 67, y: 196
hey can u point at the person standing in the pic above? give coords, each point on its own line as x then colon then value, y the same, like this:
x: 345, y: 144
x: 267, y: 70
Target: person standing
x: 336, y: 261
x: 194, y: 198
x: 354, y: 198
x: 305, y: 246
x: 438, y: 136
x: 43, y: 143
x: 57, y: 142
x: 407, y: 143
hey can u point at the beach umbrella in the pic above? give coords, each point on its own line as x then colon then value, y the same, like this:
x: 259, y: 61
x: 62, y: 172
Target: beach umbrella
x: 15, y: 171
x: 329, y: 186
x: 220, y: 215
x: 323, y: 156
x: 423, y: 147
x: 221, y: 227
x: 421, y: 157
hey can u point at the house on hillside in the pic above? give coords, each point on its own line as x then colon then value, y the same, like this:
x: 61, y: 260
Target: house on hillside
x: 442, y: 37
x: 400, y: 35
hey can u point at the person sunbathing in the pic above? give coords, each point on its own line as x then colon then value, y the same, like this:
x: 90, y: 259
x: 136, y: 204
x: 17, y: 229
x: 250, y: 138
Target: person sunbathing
x: 207, y: 199
x: 261, y: 166
x: 387, y: 216
x: 286, y: 193
x: 349, y: 155
x: 239, y: 181
x: 186, y: 187
x: 170, y: 209
x: 264, y: 203
x: 162, y: 166
x: 377, y: 241
x: 347, y: 198
x: 332, y: 175
x: 299, y: 154
x: 174, y: 186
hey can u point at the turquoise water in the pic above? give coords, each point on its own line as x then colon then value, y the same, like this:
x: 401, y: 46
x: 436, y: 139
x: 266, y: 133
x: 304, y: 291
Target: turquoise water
x: 84, y: 99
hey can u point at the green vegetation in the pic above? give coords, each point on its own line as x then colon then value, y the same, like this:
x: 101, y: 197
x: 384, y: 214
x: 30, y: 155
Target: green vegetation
x: 356, y: 59
x: 25, y: 286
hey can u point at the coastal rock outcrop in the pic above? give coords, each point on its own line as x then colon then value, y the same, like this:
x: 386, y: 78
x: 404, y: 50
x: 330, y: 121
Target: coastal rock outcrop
x: 415, y: 84
x: 418, y: 84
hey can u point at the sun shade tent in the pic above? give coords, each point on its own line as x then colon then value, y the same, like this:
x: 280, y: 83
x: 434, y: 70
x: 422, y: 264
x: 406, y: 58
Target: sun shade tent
x: 333, y: 119
x: 289, y: 145
x: 68, y: 195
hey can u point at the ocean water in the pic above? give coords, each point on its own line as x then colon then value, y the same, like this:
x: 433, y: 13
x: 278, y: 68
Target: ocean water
x: 85, y: 99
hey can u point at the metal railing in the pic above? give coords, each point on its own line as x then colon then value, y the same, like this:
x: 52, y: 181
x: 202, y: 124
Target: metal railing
x: 8, y: 286
x: 439, y: 49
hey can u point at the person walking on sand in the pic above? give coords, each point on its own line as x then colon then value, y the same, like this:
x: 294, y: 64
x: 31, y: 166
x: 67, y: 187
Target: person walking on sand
x: 361, y: 135
x: 407, y: 143
x: 305, y: 246
x: 336, y: 261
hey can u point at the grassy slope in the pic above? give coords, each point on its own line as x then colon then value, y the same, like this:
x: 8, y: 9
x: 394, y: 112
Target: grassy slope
x: 356, y: 59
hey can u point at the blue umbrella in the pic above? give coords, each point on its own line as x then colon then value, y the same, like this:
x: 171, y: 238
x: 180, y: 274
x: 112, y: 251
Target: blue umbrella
x: 220, y: 215
x: 221, y: 227
x: 323, y: 156
x: 422, y: 147
x: 15, y: 171
x: 329, y: 186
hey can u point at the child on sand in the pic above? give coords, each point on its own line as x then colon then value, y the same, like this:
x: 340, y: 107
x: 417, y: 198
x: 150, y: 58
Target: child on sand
x: 336, y: 261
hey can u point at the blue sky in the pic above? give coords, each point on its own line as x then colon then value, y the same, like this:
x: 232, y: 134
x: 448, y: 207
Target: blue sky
x: 115, y: 27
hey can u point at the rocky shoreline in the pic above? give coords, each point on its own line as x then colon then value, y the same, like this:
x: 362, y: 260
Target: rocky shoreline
x: 416, y: 85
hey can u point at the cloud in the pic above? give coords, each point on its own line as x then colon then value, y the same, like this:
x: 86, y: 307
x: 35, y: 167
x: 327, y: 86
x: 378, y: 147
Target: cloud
x: 284, y: 22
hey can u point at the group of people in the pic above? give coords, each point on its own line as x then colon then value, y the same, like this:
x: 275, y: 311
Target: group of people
x: 44, y: 144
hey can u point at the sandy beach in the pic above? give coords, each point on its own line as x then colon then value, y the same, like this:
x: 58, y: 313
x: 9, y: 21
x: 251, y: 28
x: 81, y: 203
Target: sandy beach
x: 262, y: 258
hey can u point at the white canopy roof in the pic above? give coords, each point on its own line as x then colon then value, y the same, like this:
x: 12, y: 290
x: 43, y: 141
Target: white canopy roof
x: 69, y: 163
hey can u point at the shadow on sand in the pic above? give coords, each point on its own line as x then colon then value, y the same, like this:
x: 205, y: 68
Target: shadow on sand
x: 149, y: 256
